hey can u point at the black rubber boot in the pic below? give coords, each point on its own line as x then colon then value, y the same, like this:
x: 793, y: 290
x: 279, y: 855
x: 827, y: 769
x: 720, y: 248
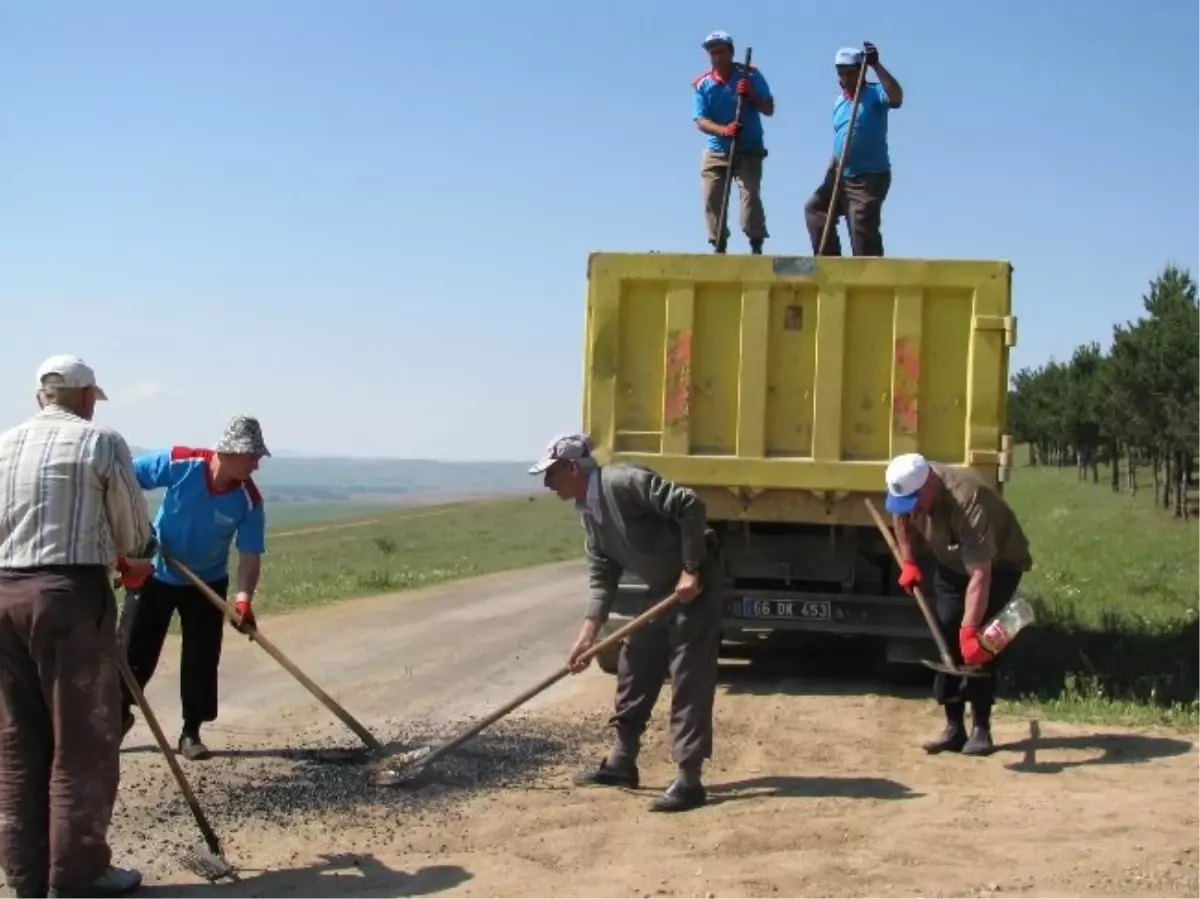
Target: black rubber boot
x: 192, y: 749
x: 756, y: 247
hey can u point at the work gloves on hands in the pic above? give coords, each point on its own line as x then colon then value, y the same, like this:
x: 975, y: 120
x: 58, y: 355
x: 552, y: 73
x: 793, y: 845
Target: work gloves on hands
x: 973, y: 652
x: 910, y: 576
x: 745, y: 89
x: 731, y: 130
x: 870, y: 53
x: 132, y: 574
x: 245, y: 615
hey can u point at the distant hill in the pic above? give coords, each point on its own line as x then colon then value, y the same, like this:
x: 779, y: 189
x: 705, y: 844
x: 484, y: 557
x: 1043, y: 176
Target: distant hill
x: 296, y: 478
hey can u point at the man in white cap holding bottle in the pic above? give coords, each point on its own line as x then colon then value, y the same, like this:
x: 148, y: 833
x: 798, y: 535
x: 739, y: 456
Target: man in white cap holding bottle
x: 979, y: 556
x: 210, y: 503
x: 867, y: 177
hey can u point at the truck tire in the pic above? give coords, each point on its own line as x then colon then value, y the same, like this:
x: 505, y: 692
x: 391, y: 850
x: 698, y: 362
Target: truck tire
x: 607, y: 660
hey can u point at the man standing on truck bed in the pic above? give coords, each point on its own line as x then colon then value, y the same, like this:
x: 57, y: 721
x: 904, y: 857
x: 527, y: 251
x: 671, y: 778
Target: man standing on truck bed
x: 714, y: 109
x: 867, y: 176
x: 635, y: 520
x: 980, y: 553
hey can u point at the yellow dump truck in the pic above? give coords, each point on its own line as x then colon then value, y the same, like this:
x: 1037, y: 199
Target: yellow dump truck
x: 778, y: 387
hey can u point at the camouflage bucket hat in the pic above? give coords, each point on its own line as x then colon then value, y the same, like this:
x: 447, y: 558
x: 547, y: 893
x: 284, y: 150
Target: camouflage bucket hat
x: 243, y: 435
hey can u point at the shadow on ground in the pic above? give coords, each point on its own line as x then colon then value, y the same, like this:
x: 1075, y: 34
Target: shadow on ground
x: 1100, y: 749
x: 795, y: 787
x: 336, y: 875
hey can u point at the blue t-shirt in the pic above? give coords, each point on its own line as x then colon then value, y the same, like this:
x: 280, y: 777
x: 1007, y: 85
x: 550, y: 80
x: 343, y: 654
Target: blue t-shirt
x: 716, y: 100
x: 868, y: 147
x: 195, y: 522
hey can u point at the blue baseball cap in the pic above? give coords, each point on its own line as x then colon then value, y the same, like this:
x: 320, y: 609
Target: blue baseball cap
x: 717, y: 37
x: 905, y: 476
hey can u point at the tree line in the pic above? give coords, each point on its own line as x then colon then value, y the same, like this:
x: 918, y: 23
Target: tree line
x: 1133, y: 407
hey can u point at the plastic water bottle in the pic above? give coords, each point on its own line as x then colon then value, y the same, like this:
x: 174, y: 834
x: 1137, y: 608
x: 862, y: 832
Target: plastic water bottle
x: 1001, y: 630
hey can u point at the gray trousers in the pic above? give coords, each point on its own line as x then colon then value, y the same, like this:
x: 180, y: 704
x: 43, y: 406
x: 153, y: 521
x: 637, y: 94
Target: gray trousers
x: 860, y: 200
x: 683, y: 644
x: 747, y: 170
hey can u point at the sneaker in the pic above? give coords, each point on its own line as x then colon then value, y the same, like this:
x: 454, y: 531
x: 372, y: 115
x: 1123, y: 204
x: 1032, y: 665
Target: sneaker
x: 604, y: 776
x: 678, y: 798
x: 192, y: 749
x: 113, y: 882
x: 952, y: 739
x: 979, y: 743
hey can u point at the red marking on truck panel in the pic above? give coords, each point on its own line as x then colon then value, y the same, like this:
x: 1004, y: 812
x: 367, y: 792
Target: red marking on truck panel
x: 906, y: 385
x: 679, y: 377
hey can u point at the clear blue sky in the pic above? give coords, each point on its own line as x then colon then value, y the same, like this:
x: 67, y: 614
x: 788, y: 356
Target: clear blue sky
x: 350, y: 218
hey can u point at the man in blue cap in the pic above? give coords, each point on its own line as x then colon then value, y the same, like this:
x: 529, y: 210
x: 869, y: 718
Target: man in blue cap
x: 867, y: 176
x: 714, y: 109
x: 980, y: 554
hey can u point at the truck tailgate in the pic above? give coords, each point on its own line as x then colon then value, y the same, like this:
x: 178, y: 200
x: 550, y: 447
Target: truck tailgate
x: 769, y: 373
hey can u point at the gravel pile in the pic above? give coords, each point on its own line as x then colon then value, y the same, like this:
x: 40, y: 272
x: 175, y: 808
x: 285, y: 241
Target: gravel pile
x: 329, y: 780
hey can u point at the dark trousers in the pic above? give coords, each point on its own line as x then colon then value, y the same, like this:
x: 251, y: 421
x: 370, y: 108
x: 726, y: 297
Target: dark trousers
x: 684, y: 644
x: 860, y: 200
x: 145, y: 619
x: 950, y: 588
x: 60, y: 726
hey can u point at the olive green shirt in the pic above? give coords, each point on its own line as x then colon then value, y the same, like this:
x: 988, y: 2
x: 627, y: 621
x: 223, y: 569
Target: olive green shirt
x: 970, y: 524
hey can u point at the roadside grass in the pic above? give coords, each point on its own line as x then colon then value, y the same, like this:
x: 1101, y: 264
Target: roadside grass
x: 1115, y: 585
x: 395, y: 550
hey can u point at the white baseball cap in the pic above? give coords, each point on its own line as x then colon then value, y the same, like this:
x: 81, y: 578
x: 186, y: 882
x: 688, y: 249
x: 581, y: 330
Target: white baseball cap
x: 717, y: 37
x: 68, y: 371
x: 566, y: 448
x: 848, y: 56
x: 905, y: 476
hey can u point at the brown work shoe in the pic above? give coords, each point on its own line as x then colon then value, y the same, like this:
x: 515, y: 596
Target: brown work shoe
x: 979, y: 743
x: 192, y: 749
x: 604, y: 776
x: 113, y: 882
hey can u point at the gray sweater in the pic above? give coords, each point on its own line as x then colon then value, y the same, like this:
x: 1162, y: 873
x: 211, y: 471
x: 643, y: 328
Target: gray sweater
x: 648, y: 526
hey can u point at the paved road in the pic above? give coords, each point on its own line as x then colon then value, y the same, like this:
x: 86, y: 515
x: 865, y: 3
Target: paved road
x: 438, y: 654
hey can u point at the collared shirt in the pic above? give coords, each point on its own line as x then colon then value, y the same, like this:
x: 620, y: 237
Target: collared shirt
x: 868, y: 148
x: 716, y: 100
x: 591, y: 506
x: 197, y: 522
x: 68, y: 495
x: 970, y: 524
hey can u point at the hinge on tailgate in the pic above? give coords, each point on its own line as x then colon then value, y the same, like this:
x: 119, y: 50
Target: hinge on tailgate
x: 1005, y: 323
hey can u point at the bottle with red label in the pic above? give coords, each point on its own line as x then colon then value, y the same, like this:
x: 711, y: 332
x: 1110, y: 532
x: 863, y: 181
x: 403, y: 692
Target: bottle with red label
x: 1000, y: 631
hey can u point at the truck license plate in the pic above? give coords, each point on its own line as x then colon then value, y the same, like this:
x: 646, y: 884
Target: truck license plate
x: 786, y: 608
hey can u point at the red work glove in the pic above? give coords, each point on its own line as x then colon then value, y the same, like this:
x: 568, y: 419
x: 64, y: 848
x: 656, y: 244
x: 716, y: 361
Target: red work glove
x: 132, y: 576
x: 245, y: 613
x: 745, y: 88
x: 972, y: 652
x: 731, y: 130
x: 910, y: 576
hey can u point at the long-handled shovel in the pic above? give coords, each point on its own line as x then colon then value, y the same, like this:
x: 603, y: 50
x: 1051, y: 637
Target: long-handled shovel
x: 837, y: 178
x: 947, y: 665
x: 722, y: 227
x: 210, y: 865
x: 256, y: 635
x: 407, y: 766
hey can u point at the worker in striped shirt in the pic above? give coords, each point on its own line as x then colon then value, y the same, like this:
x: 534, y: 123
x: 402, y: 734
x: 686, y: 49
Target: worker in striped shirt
x: 69, y: 506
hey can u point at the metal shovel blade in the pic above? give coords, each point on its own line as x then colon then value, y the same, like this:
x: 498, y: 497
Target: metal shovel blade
x: 400, y: 769
x: 943, y: 668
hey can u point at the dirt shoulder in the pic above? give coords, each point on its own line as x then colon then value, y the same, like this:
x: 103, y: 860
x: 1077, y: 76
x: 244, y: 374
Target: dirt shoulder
x: 813, y: 795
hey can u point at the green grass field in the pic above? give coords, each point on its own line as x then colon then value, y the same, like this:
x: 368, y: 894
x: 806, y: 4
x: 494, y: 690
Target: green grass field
x: 1115, y: 584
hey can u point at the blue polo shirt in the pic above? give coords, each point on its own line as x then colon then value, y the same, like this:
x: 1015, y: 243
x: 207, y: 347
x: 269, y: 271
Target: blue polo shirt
x: 195, y: 522
x: 716, y: 100
x: 868, y: 147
